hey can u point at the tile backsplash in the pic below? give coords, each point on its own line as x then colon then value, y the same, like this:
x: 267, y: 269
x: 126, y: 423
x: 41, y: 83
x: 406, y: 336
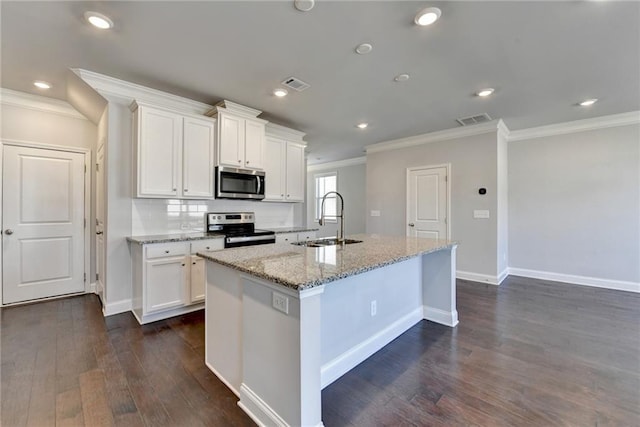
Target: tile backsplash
x: 163, y: 216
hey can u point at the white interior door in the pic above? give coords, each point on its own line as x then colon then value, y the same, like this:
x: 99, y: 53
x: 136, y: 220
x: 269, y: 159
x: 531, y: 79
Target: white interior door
x: 43, y: 223
x: 100, y: 226
x: 427, y: 204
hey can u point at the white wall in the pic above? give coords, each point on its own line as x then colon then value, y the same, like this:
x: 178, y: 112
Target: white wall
x: 503, y: 205
x: 351, y: 184
x: 473, y: 162
x: 574, y: 204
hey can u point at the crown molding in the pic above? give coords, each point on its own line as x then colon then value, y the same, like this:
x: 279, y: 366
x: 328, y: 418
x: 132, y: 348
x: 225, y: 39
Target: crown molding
x: 279, y: 131
x: 242, y: 110
x: 443, y: 135
x: 128, y: 92
x: 38, y: 103
x: 603, y: 122
x: 337, y: 164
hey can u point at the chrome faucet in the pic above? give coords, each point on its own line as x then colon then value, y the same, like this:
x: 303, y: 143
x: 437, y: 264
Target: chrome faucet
x: 341, y: 216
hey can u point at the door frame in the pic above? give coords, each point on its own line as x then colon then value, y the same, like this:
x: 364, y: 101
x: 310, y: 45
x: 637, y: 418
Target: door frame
x: 447, y: 166
x: 88, y: 285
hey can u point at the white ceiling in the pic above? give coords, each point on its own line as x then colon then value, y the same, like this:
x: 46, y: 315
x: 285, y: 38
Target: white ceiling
x: 542, y: 58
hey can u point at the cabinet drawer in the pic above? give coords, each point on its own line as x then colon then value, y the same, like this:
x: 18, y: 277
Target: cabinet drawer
x: 307, y: 235
x: 166, y: 250
x: 286, y: 237
x: 207, y: 245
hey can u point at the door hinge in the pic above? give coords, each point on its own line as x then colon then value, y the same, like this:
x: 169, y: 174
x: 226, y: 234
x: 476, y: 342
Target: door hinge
x: 85, y: 168
x: 85, y: 223
x: 85, y: 277
x: 445, y: 220
x: 97, y: 276
x: 446, y: 178
x: 97, y: 167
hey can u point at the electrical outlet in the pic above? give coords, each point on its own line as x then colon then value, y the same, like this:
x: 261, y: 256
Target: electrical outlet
x: 184, y: 226
x: 374, y: 308
x: 281, y: 302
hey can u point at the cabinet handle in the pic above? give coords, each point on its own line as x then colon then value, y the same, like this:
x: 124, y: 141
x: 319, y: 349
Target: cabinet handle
x: 288, y: 195
x: 239, y: 161
x: 208, y: 247
x: 175, y: 189
x: 282, y: 195
x: 166, y: 252
x: 194, y: 263
x: 183, y: 264
x: 185, y: 190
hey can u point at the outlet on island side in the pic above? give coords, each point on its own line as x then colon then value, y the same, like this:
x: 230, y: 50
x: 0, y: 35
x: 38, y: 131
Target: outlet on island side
x: 280, y: 302
x: 374, y: 308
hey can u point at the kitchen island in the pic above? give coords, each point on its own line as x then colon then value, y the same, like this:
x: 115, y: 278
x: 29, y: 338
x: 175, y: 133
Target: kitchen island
x: 284, y: 321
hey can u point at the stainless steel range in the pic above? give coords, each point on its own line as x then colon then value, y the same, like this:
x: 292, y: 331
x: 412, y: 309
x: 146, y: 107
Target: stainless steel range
x: 238, y: 228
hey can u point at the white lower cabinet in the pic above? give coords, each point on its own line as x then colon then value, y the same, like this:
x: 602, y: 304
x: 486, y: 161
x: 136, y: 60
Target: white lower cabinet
x: 169, y: 278
x: 295, y: 237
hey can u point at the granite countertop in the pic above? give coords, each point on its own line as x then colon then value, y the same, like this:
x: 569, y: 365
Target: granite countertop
x: 176, y: 237
x: 300, y: 267
x: 281, y: 230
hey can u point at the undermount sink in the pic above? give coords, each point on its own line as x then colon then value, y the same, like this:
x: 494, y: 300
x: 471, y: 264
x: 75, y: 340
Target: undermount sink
x: 326, y: 242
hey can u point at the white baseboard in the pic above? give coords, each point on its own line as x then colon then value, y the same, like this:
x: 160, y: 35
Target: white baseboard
x: 447, y: 318
x: 154, y: 317
x: 117, y: 307
x: 577, y: 280
x: 221, y: 378
x: 477, y: 277
x: 503, y: 275
x: 92, y: 288
x: 342, y: 364
x: 257, y: 409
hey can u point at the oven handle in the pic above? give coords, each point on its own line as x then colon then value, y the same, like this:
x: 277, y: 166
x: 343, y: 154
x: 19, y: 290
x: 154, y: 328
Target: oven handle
x: 249, y: 238
x: 259, y: 183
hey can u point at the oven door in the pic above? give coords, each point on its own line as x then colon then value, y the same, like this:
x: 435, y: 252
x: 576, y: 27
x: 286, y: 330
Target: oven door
x: 233, y: 183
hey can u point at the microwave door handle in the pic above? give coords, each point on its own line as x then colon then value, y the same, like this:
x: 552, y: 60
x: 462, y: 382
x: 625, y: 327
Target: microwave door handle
x: 259, y: 183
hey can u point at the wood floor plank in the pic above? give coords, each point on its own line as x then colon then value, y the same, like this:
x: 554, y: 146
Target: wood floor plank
x: 69, y: 409
x: 95, y: 406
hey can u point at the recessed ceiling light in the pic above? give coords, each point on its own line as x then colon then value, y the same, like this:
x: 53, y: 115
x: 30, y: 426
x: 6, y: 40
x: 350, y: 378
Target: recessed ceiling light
x: 42, y: 85
x: 280, y: 92
x: 588, y: 102
x: 363, y: 125
x: 364, y: 48
x: 428, y: 16
x: 304, y: 5
x: 98, y: 20
x: 485, y: 92
x: 401, y: 77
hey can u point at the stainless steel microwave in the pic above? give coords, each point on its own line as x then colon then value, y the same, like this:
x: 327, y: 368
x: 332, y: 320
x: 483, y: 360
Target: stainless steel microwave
x: 234, y: 183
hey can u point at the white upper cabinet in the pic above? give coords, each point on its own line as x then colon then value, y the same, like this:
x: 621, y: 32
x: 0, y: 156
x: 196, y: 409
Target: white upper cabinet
x: 174, y: 154
x: 240, y: 136
x: 158, y: 152
x: 284, y: 165
x: 197, y: 158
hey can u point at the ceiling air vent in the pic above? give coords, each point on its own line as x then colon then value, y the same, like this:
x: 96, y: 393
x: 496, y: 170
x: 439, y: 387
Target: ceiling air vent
x: 296, y: 84
x: 474, y: 120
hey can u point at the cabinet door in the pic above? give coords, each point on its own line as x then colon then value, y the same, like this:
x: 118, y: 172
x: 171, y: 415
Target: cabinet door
x: 231, y: 144
x: 274, y: 154
x: 165, y: 283
x: 158, y: 153
x: 198, y: 279
x: 197, y: 163
x: 295, y: 173
x: 254, y: 144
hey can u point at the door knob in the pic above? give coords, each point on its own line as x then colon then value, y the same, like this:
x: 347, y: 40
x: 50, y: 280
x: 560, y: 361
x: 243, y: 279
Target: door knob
x: 411, y: 224
x: 99, y: 232
x: 8, y: 231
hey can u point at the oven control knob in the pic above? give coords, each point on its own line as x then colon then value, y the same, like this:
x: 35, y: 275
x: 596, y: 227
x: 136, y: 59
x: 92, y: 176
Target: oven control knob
x: 219, y: 217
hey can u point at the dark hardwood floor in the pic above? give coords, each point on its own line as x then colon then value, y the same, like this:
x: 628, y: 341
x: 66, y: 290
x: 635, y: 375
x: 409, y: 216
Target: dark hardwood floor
x: 527, y: 353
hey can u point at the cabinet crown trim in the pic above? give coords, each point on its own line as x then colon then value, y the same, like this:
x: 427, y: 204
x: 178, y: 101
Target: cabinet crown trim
x: 278, y: 131
x: 234, y: 108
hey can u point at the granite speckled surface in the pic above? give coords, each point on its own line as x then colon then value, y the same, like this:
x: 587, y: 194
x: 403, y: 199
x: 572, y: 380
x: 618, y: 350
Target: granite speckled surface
x: 168, y: 238
x: 300, y: 267
x: 281, y: 230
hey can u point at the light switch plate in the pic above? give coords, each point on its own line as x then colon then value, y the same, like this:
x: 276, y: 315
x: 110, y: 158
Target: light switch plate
x: 375, y: 213
x: 481, y: 214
